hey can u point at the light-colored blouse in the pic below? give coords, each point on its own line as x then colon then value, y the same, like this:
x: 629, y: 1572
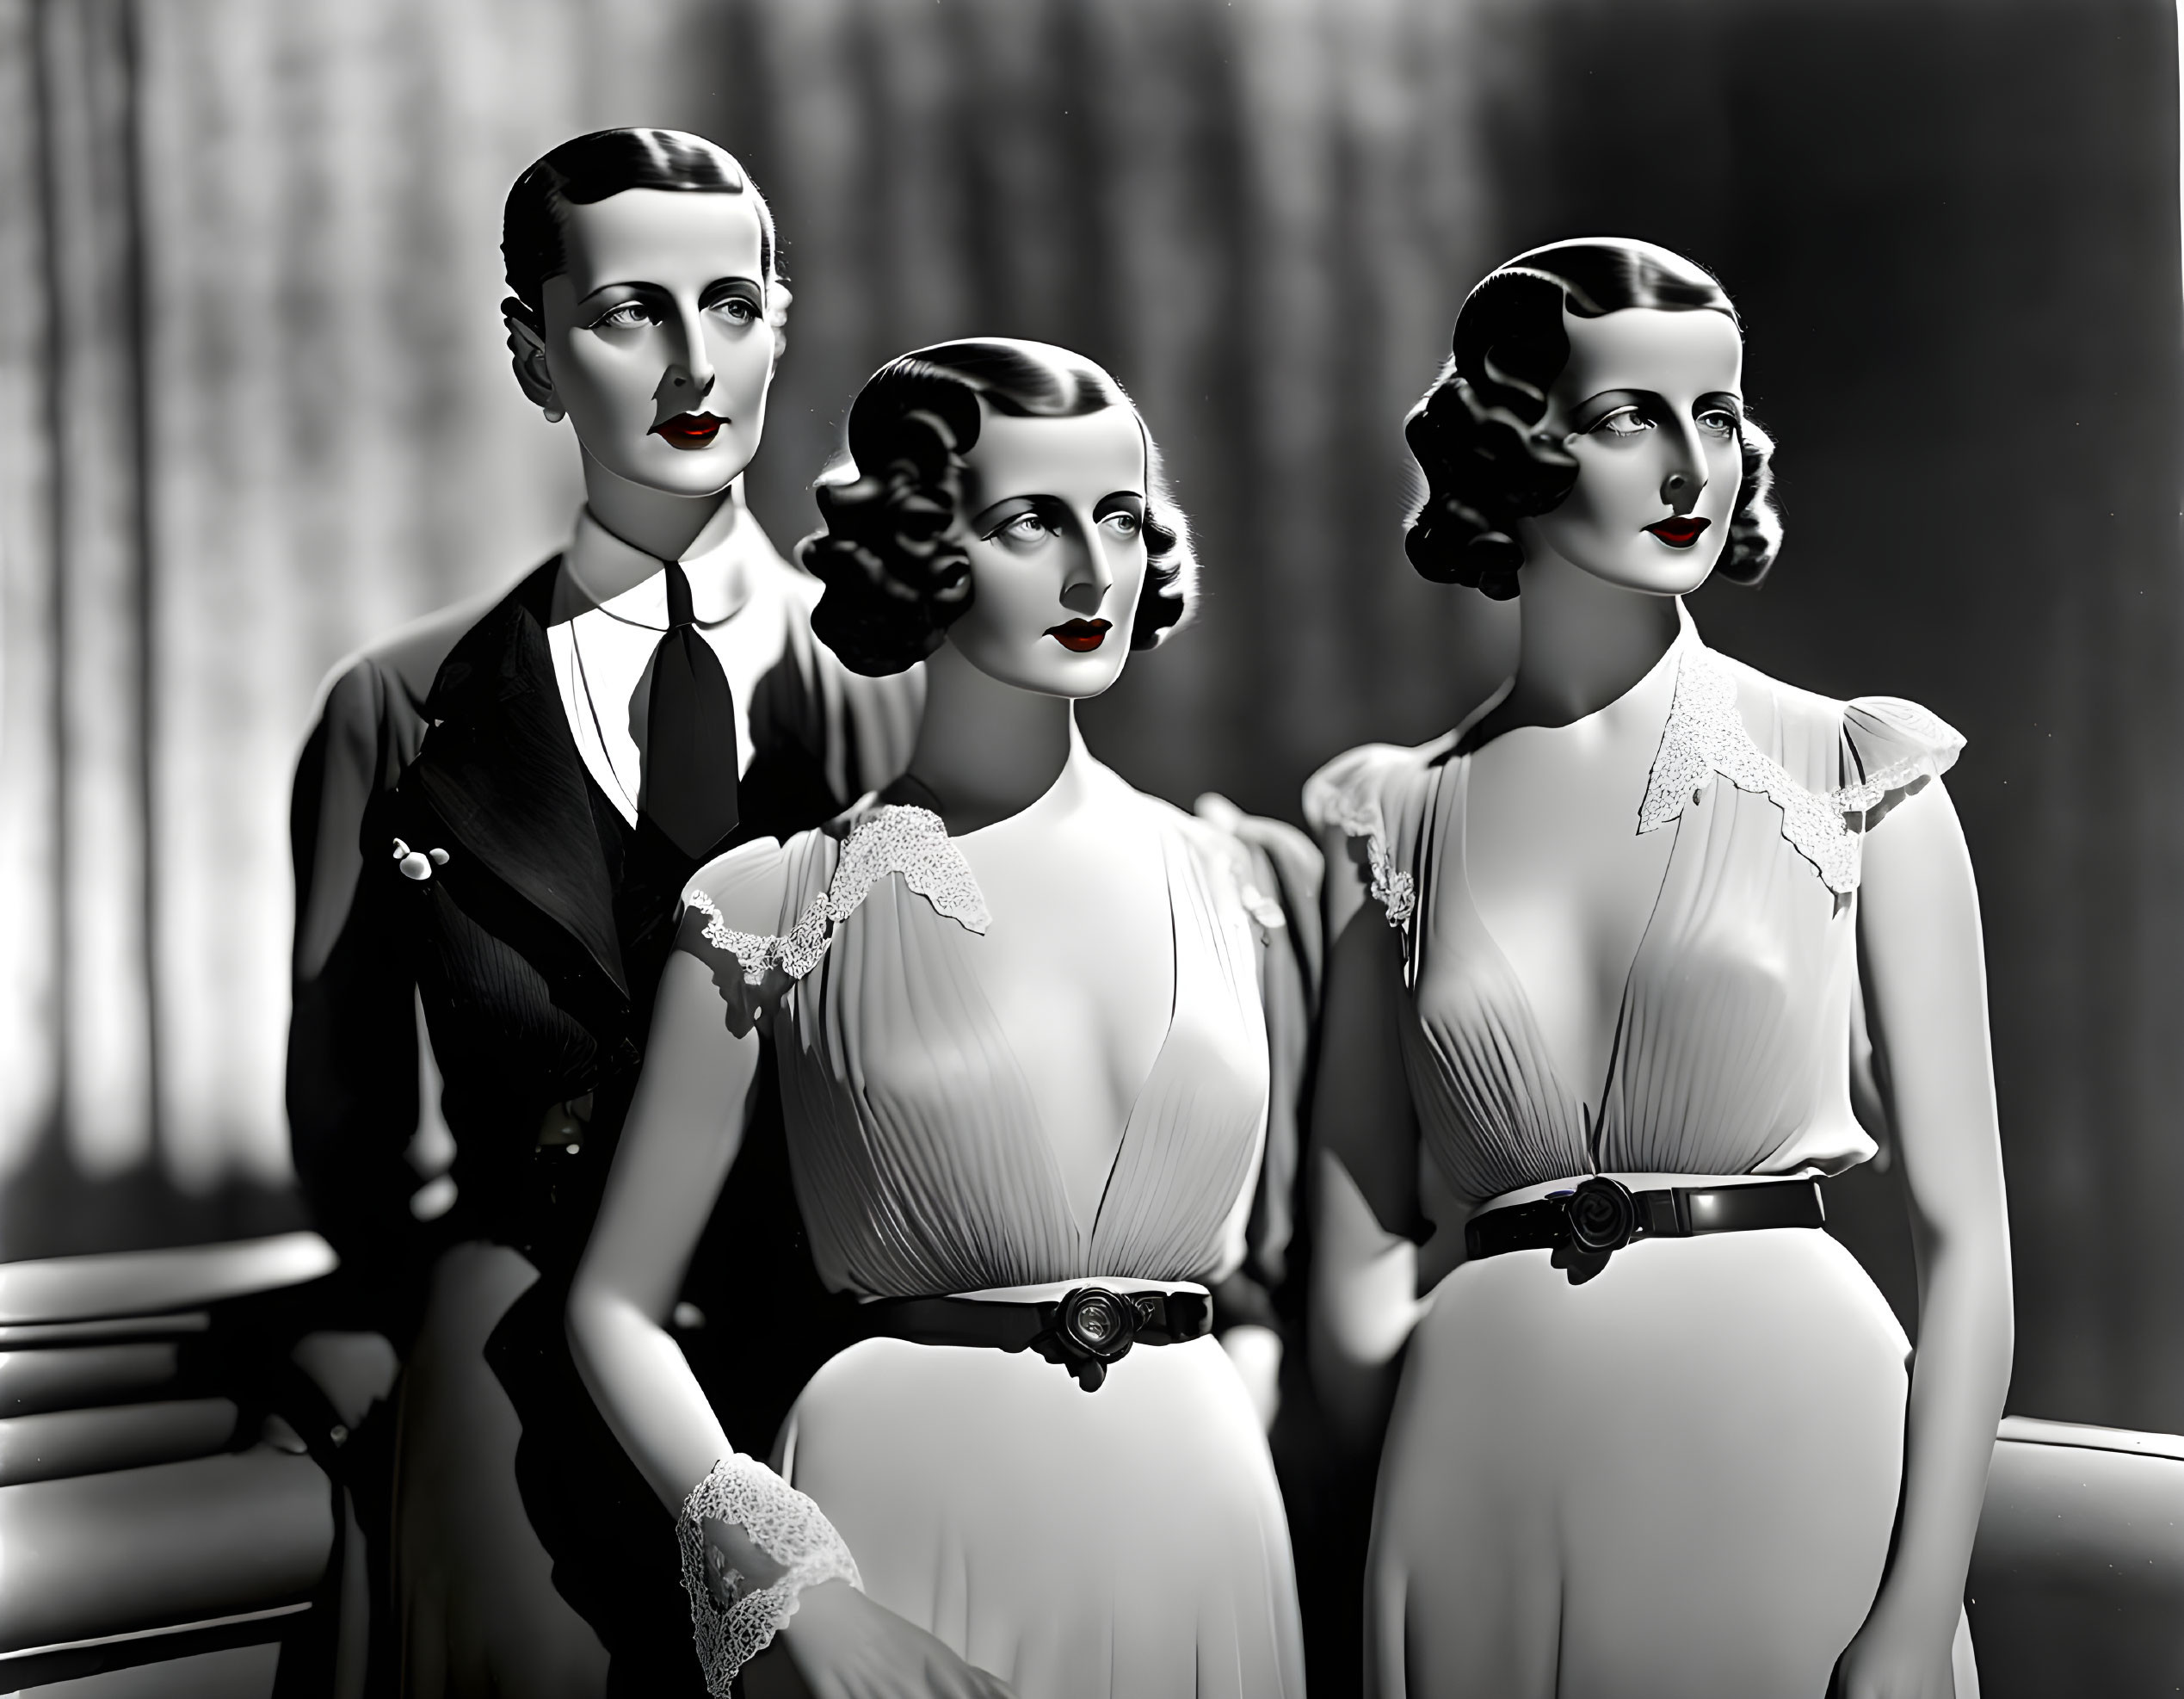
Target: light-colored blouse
x: 1735, y: 1035
x: 913, y: 1141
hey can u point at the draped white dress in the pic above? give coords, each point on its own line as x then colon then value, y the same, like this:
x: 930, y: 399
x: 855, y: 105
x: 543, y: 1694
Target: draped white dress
x: 1129, y: 1541
x: 1680, y: 1476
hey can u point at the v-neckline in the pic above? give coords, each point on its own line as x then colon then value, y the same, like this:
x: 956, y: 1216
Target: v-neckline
x: 1087, y: 1232
x: 1090, y: 1231
x: 1593, y: 1113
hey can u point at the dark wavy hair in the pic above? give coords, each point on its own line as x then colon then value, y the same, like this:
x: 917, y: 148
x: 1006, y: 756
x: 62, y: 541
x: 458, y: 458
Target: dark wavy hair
x: 895, y: 578
x: 591, y: 168
x: 1476, y: 434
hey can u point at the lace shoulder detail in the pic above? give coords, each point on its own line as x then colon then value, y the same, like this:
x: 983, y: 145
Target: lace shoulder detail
x: 1892, y: 744
x: 1344, y: 797
x: 894, y: 839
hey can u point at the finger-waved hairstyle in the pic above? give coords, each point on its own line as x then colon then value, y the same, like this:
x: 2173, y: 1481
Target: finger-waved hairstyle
x: 1476, y: 435
x: 589, y: 169
x: 895, y: 578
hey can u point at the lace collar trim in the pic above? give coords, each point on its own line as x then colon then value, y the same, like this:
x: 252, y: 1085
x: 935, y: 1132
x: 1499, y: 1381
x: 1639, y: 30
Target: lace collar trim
x: 899, y: 838
x: 1705, y: 738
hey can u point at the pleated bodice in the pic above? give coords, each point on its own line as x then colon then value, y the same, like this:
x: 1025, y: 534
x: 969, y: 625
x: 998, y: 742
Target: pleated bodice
x: 1735, y: 1032
x: 920, y: 1162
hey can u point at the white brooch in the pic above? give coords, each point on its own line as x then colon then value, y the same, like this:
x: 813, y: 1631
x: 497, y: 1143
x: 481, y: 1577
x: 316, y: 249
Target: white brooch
x: 417, y: 864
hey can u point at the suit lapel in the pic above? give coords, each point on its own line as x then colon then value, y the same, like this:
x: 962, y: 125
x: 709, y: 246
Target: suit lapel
x: 501, y: 772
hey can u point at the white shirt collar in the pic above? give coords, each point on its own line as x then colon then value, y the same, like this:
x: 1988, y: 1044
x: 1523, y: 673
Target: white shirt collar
x: 601, y: 570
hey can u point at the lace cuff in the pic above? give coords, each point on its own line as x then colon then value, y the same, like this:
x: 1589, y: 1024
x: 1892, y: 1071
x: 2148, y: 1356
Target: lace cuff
x: 785, y: 1527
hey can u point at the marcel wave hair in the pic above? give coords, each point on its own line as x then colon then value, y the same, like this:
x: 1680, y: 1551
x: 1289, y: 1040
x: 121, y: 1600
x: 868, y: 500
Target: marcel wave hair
x: 895, y: 577
x: 1476, y: 437
x: 591, y: 168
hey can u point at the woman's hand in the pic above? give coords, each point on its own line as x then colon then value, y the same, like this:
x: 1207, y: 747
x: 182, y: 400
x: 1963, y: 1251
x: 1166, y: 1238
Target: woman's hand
x: 845, y: 1647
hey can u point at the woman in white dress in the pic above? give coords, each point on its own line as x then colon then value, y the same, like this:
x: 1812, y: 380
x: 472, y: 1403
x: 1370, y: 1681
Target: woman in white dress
x: 1015, y: 1006
x: 1592, y: 1014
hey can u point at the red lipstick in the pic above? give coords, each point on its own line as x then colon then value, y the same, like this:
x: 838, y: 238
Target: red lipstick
x: 688, y: 431
x: 1080, y: 636
x: 1681, y: 532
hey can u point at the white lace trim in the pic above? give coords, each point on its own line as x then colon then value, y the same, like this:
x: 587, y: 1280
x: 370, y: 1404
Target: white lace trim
x: 784, y: 1524
x: 899, y: 838
x: 1706, y: 736
x: 1395, y: 890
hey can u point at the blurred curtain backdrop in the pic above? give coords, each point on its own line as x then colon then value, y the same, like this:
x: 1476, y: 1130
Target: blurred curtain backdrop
x: 255, y: 411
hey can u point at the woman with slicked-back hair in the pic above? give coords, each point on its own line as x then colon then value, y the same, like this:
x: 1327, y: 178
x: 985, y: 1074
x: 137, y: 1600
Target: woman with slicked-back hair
x: 1605, y: 962
x: 494, y: 817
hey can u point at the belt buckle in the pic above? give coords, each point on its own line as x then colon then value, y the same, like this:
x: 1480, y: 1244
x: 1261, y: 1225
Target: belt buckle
x: 1093, y: 1327
x: 1602, y: 1215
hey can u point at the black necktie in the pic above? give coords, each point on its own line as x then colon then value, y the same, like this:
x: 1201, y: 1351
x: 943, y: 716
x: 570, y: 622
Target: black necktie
x: 689, y: 732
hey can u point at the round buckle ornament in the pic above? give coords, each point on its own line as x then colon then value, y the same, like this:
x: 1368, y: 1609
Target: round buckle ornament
x: 1602, y: 1215
x: 1093, y: 1328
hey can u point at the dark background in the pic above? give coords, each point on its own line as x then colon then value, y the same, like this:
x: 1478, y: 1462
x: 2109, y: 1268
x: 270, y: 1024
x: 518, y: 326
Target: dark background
x: 255, y: 411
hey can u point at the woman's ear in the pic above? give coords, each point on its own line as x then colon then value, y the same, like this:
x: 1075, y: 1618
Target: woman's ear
x: 528, y: 353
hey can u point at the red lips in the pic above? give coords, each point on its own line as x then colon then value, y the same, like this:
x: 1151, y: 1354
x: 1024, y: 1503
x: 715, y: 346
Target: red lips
x: 688, y: 431
x: 1681, y: 532
x: 1080, y: 636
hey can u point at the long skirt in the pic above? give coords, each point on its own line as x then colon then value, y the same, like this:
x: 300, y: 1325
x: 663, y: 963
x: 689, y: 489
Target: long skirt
x: 1127, y: 1543
x: 1677, y: 1478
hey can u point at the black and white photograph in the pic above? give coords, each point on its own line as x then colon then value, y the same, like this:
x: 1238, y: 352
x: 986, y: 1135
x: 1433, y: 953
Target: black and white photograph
x: 1091, y: 850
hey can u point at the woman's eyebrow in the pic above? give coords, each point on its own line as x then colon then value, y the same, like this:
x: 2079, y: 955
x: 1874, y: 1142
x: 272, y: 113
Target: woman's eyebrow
x: 1131, y: 500
x: 1008, y: 508
x: 1600, y: 405
x: 636, y: 284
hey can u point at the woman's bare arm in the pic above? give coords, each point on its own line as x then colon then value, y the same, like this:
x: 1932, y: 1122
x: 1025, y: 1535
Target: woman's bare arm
x: 1925, y: 969
x: 1363, y: 1174
x: 683, y: 1131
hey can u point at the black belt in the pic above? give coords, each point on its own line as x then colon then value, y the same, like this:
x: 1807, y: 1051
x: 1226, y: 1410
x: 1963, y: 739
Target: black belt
x: 1083, y: 1330
x: 1603, y: 1216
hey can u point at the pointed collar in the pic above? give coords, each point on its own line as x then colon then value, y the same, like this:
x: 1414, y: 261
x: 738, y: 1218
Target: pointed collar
x: 604, y: 572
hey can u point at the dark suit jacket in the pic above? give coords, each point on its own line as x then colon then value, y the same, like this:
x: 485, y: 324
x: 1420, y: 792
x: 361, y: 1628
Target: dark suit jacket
x: 533, y: 949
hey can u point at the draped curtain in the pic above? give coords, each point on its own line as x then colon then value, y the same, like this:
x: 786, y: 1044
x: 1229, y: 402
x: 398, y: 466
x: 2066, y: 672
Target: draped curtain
x: 255, y: 411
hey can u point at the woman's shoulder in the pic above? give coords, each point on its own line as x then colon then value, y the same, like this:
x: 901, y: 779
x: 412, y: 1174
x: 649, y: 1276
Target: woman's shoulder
x: 1865, y: 750
x: 773, y: 906
x: 741, y: 909
x: 746, y: 885
x: 1361, y: 791
x: 1249, y: 844
x: 1367, y: 806
x: 768, y: 879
